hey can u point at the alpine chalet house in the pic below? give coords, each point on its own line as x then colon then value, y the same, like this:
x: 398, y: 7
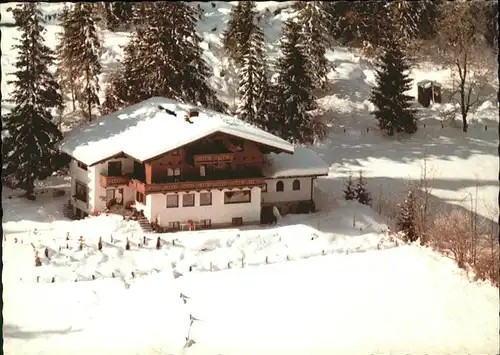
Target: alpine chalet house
x: 183, y: 165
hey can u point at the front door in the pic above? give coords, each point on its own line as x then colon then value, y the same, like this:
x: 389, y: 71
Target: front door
x: 110, y: 197
x: 119, y: 197
x: 115, y: 168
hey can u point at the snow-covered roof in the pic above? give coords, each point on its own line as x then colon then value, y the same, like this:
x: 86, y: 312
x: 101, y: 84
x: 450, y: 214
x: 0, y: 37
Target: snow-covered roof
x: 304, y: 162
x: 153, y: 127
x: 428, y: 83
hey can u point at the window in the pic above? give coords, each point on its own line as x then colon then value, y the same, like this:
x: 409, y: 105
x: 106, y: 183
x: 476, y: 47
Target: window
x: 202, y: 170
x: 174, y: 225
x: 264, y: 188
x: 237, y: 221
x: 177, y: 172
x: 237, y: 197
x: 280, y: 187
x: 170, y: 172
x: 174, y: 152
x: 188, y: 200
x: 172, y: 201
x: 82, y: 166
x: 296, y: 185
x: 140, y: 197
x: 80, y: 192
x: 115, y: 168
x: 206, y: 223
x: 205, y: 198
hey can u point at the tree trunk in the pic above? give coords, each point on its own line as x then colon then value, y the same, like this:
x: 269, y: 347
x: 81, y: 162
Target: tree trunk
x: 89, y: 97
x: 465, y: 125
x: 72, y: 89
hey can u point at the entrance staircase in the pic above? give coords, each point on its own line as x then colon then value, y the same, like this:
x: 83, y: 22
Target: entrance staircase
x: 68, y: 210
x: 145, y: 225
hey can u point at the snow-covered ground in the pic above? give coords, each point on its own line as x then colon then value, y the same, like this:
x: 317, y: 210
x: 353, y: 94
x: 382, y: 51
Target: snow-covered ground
x: 334, y: 282
x: 460, y: 165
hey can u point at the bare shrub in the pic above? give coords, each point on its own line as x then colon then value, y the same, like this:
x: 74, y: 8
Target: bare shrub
x: 450, y: 233
x: 422, y: 192
x: 471, y: 244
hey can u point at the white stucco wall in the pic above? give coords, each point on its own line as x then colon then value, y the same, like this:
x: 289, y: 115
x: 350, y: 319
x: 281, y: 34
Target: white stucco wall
x: 287, y: 195
x: 218, y: 212
x: 96, y: 191
x: 147, y: 208
x: 83, y: 176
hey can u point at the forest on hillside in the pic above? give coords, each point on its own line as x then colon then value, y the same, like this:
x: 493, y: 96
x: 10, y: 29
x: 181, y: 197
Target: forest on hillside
x: 164, y: 58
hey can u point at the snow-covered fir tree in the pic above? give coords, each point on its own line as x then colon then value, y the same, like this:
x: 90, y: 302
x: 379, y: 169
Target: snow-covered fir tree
x: 30, y: 135
x: 314, y: 20
x: 393, y: 107
x: 163, y: 58
x: 349, y: 190
x: 127, y: 86
x: 65, y: 53
x: 294, y: 98
x: 114, y: 15
x: 406, y: 218
x: 253, y: 81
x: 78, y: 53
x: 194, y: 71
x: 362, y: 194
x: 234, y: 35
x: 404, y: 19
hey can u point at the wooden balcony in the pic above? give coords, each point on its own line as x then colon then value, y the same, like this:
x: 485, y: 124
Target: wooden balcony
x: 194, y: 185
x: 112, y: 181
x: 213, y: 158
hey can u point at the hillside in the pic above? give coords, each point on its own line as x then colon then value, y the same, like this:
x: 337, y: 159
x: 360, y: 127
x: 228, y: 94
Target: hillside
x: 312, y: 284
x: 336, y: 281
x: 457, y: 162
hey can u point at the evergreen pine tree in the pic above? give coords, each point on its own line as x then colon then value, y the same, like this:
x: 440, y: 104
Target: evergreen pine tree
x: 129, y: 85
x: 86, y: 59
x: 193, y: 69
x: 349, y: 191
x: 314, y: 20
x: 253, y: 81
x: 294, y: 98
x: 30, y: 136
x: 163, y: 58
x: 233, y: 36
x: 406, y: 218
x: 65, y: 52
x: 362, y: 194
x: 78, y: 55
x: 393, y: 110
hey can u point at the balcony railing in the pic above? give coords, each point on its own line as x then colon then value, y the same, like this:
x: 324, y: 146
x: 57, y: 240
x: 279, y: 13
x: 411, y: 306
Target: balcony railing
x: 112, y: 181
x: 213, y: 158
x: 194, y: 185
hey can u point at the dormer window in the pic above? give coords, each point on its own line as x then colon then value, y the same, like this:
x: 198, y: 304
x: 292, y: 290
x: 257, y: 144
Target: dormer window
x: 82, y: 166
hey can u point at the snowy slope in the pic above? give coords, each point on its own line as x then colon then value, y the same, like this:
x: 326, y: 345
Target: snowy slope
x: 332, y: 282
x: 459, y: 162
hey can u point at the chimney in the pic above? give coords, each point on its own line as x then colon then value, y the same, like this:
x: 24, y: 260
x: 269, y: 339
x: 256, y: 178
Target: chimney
x: 192, y: 113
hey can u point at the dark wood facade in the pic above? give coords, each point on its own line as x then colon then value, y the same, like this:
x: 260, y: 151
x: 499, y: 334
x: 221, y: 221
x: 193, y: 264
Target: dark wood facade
x: 216, y: 161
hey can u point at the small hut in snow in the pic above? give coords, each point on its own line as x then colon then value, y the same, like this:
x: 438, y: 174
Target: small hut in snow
x: 428, y: 91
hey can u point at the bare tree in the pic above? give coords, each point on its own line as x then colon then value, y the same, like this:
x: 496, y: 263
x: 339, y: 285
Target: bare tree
x: 462, y: 48
x: 423, y: 190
